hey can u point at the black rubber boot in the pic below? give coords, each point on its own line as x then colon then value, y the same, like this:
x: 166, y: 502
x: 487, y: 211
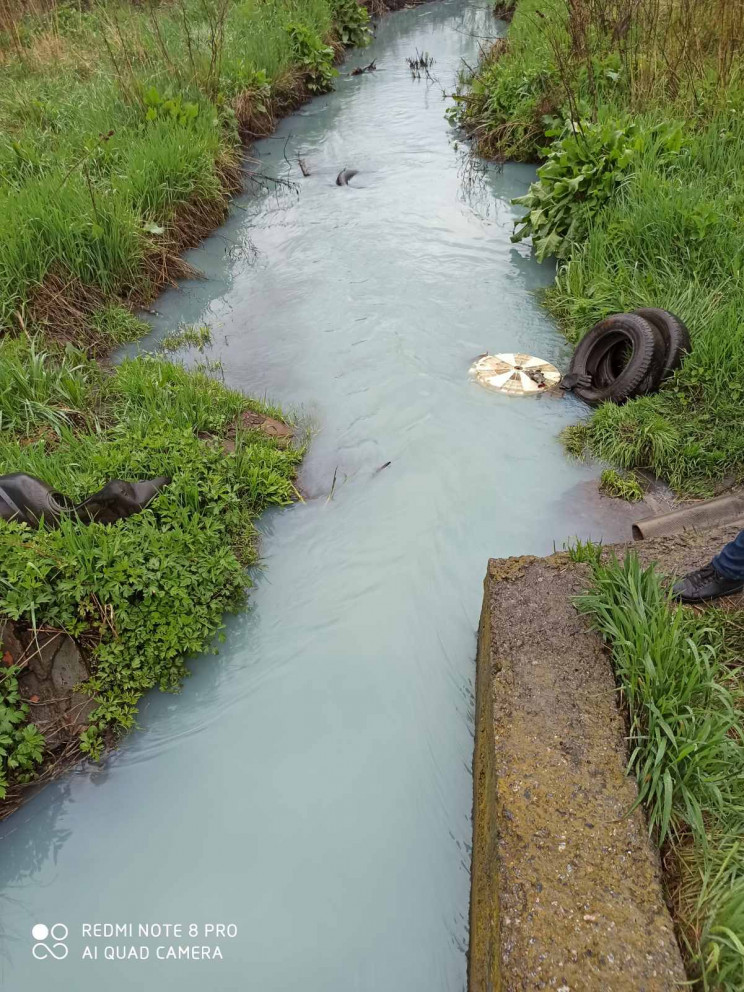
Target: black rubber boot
x: 705, y: 583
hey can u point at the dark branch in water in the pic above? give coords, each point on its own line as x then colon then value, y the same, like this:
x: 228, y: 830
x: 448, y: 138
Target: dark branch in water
x: 333, y: 485
x: 420, y: 64
x: 372, y: 67
x: 264, y: 182
x: 284, y: 152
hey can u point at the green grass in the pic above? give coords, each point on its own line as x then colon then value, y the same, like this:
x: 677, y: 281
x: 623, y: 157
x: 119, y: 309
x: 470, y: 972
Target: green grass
x: 666, y: 230
x: 147, y: 591
x: 679, y: 682
x: 120, y: 134
x: 672, y: 237
x: 36, y: 390
x: 187, y: 336
x: 114, y: 119
x: 621, y: 485
x: 584, y: 551
x: 514, y: 87
x: 640, y: 200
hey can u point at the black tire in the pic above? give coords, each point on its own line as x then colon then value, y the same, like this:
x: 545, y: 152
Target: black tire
x: 676, y: 345
x: 613, y: 363
x: 675, y: 334
x: 623, y: 330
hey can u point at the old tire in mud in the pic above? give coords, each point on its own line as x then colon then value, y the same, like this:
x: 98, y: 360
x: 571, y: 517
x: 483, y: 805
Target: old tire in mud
x: 630, y: 334
x: 673, y: 331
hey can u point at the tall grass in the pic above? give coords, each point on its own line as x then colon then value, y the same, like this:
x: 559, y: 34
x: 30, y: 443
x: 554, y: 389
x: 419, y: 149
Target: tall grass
x: 671, y: 233
x: 686, y: 743
x: 673, y: 237
x: 116, y: 117
x: 578, y: 57
x: 40, y: 390
x: 120, y: 128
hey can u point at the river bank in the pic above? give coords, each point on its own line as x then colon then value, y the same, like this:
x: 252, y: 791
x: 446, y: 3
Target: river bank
x: 635, y: 114
x: 678, y: 671
x: 637, y: 201
x: 106, y: 179
x: 127, y: 125
x: 661, y: 702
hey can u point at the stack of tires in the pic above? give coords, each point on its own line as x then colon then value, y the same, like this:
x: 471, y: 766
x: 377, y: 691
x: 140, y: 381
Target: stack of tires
x: 627, y: 355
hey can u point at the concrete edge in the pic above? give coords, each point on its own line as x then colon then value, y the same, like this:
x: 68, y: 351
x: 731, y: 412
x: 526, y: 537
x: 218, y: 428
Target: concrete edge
x: 485, y: 968
x: 484, y: 954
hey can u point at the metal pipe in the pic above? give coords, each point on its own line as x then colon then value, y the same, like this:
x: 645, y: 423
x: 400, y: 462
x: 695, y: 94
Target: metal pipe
x: 697, y: 516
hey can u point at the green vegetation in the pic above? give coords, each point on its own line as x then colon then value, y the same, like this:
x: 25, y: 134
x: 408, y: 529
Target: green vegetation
x: 621, y: 485
x: 638, y: 113
x: 352, y: 23
x: 119, y: 138
x: 147, y: 591
x: 678, y: 675
x: 635, y: 114
x: 584, y: 551
x: 21, y: 744
x: 120, y: 135
x: 187, y: 336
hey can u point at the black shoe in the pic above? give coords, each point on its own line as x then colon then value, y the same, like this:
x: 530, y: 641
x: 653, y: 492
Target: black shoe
x: 705, y: 583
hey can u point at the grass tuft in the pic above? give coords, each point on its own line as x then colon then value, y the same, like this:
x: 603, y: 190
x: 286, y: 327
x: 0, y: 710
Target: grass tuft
x: 621, y: 485
x: 587, y: 551
x: 683, y: 700
x: 144, y: 593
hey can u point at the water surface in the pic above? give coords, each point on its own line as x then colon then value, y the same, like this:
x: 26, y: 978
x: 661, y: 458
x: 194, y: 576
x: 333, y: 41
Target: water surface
x: 312, y: 785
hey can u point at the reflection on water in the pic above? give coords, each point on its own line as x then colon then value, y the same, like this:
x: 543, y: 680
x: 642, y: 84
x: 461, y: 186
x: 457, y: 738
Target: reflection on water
x: 313, y: 784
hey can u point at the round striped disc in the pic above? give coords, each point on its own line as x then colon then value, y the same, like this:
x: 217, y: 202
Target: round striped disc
x: 520, y: 375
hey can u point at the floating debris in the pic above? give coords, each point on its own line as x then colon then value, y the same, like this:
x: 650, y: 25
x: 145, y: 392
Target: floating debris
x: 342, y: 179
x: 517, y: 374
x: 360, y: 69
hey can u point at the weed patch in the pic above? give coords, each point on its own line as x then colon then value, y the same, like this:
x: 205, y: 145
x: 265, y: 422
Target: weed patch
x: 144, y: 593
x: 121, y: 153
x: 683, y: 696
x: 637, y: 112
x: 621, y: 485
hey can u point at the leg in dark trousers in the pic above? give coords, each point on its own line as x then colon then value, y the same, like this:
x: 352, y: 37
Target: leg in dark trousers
x: 730, y: 562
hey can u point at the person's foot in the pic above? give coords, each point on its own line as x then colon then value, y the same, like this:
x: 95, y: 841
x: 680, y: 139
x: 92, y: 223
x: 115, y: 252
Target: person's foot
x: 705, y: 583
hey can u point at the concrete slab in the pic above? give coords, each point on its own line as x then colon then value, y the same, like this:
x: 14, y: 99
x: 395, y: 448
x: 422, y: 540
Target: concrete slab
x: 566, y: 892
